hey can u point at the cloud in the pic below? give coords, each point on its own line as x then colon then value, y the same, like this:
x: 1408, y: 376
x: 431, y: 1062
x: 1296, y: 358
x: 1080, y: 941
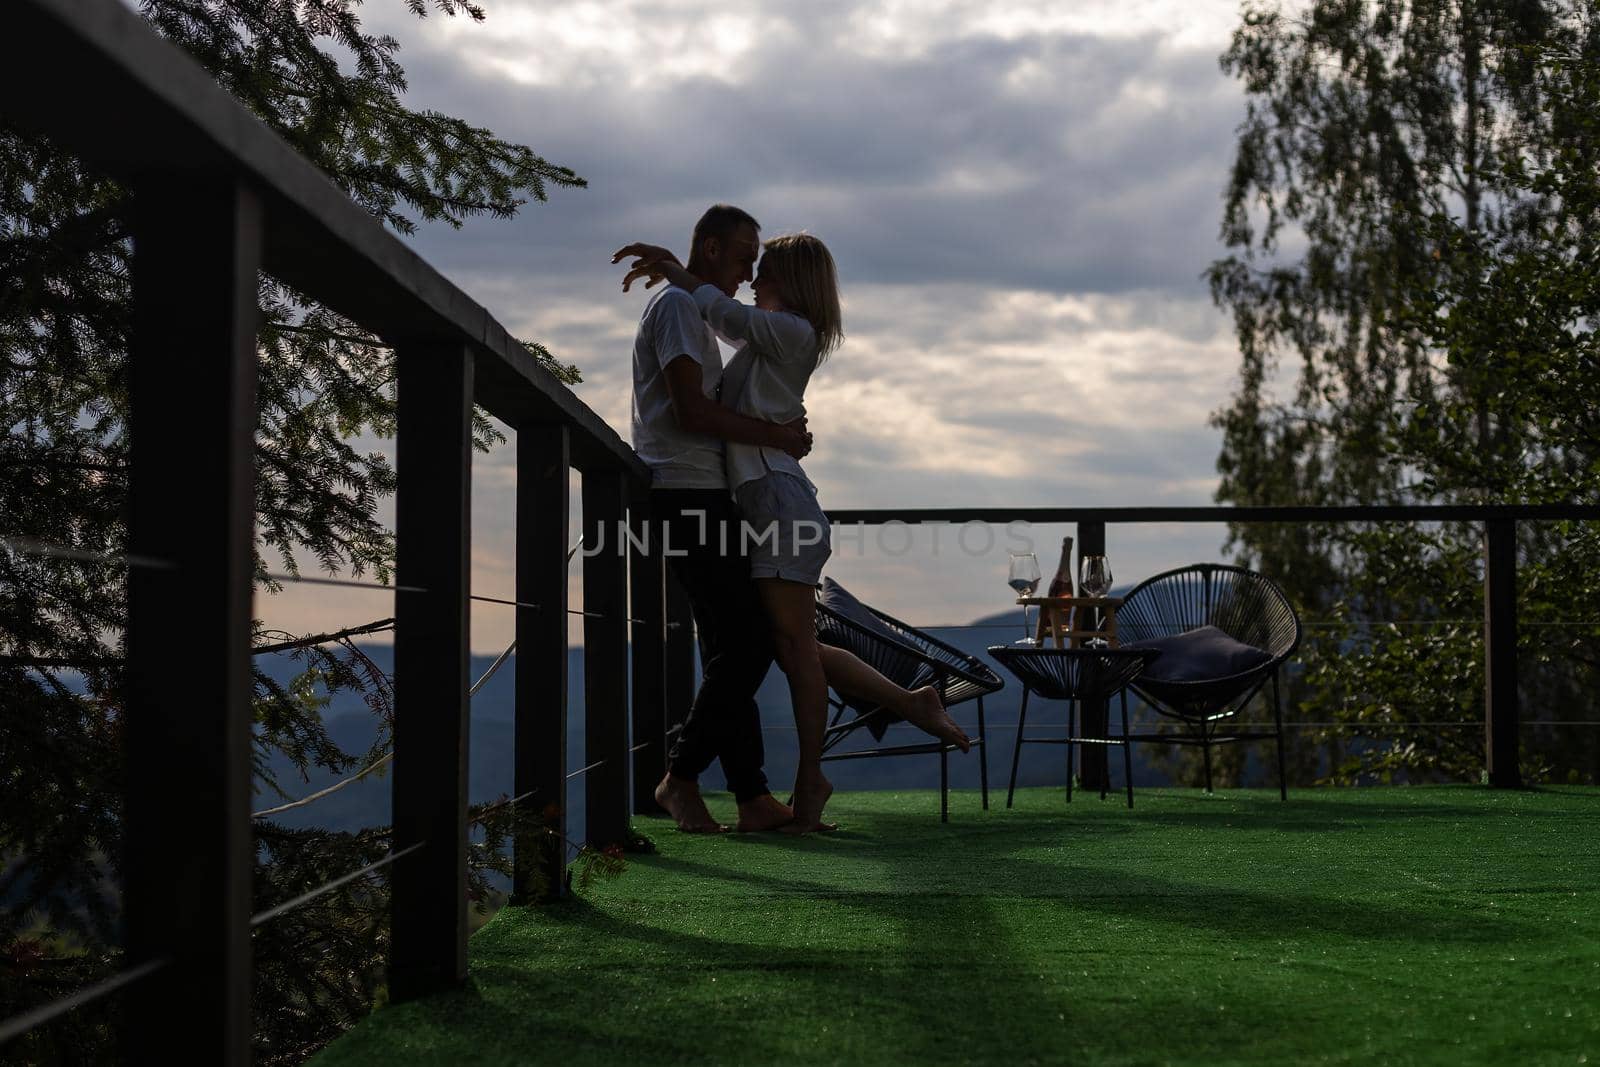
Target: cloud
x: 644, y: 44
x: 1058, y: 160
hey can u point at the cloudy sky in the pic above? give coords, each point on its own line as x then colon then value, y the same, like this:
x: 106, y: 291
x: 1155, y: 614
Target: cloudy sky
x: 1021, y: 198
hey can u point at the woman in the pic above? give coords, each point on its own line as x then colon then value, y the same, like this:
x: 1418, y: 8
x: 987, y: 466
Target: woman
x: 792, y: 328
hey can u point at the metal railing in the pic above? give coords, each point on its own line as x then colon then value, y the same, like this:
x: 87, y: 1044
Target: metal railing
x: 1499, y: 521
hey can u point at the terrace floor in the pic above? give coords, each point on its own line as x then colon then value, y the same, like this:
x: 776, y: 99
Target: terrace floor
x: 1421, y: 925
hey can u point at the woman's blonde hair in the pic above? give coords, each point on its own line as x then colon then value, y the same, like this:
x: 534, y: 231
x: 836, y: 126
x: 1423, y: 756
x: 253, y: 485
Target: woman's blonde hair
x: 808, y: 284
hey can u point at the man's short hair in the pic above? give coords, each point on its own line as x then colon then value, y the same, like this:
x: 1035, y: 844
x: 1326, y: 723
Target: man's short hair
x: 721, y: 221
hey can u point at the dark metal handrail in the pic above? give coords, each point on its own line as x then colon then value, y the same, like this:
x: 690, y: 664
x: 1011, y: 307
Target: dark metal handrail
x: 1329, y: 513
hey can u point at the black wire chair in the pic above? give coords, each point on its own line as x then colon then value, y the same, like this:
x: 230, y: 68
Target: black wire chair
x: 911, y: 659
x: 1248, y: 607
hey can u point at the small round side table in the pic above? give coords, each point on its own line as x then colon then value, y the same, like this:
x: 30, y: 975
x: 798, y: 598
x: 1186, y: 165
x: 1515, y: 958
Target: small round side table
x: 1073, y: 675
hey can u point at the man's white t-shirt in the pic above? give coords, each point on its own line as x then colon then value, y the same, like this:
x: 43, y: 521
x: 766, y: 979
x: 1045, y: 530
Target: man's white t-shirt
x: 671, y: 327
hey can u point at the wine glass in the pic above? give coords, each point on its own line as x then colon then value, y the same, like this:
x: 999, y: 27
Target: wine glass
x: 1094, y: 576
x: 1024, y: 579
x: 1094, y: 579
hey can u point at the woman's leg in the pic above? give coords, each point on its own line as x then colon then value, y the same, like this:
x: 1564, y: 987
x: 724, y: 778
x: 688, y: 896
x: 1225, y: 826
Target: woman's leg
x: 791, y: 607
x: 922, y: 708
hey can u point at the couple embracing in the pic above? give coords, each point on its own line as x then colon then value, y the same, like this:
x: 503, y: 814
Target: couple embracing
x: 724, y: 446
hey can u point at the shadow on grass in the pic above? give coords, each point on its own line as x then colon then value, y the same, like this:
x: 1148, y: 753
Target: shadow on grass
x: 1314, y: 810
x: 1117, y: 894
x: 719, y: 998
x: 1590, y: 793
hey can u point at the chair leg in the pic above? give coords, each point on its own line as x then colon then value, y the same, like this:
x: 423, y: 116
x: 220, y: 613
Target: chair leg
x: 1105, y: 779
x: 983, y: 757
x: 838, y: 714
x: 1072, y: 731
x: 1127, y: 750
x: 944, y: 785
x: 1277, y: 715
x: 1016, y: 750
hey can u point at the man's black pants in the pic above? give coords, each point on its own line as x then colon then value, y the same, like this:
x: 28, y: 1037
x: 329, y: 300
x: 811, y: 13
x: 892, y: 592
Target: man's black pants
x: 735, y: 637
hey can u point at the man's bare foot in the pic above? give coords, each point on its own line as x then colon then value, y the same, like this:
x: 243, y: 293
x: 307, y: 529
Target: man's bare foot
x: 763, y: 813
x: 925, y: 710
x: 811, y: 793
x: 683, y: 803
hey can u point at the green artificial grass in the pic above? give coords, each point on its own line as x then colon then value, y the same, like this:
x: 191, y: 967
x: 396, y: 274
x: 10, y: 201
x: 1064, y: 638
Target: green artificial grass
x: 1424, y: 925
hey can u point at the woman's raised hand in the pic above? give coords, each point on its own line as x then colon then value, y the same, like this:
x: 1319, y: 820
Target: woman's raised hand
x: 646, y: 263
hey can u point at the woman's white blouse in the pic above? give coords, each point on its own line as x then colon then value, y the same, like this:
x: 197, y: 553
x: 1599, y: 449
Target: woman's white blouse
x: 765, y: 380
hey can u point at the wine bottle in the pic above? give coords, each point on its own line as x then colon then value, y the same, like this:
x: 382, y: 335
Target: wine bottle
x: 1061, y: 584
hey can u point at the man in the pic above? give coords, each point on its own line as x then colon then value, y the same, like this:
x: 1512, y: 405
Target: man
x: 678, y: 430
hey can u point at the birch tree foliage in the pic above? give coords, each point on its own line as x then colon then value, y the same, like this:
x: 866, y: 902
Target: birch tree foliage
x: 1408, y: 196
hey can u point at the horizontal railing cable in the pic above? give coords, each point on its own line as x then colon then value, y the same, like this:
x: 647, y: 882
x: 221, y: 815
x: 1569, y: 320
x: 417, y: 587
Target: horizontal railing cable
x: 586, y: 770
x: 1315, y: 624
x: 495, y: 666
x: 30, y: 546
x: 377, y: 626
x: 322, y: 890
x: 18, y: 1025
x: 319, y: 794
x: 574, y: 774
x: 344, y: 583
x: 635, y: 748
x: 1230, y: 724
x: 501, y: 600
x: 60, y: 663
x: 570, y: 611
x: 497, y: 805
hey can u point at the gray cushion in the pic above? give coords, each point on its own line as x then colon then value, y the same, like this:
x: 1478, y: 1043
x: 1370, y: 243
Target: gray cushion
x: 1200, y: 655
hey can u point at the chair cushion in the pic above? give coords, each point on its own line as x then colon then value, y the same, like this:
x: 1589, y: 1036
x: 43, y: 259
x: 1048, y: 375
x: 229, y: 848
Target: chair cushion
x: 1200, y: 655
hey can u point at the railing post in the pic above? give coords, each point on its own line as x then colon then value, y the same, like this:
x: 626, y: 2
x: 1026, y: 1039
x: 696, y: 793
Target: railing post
x: 188, y: 859
x: 648, y: 595
x: 428, y: 948
x: 1500, y: 726
x: 544, y: 465
x: 605, y: 648
x: 680, y: 679
x: 1092, y: 758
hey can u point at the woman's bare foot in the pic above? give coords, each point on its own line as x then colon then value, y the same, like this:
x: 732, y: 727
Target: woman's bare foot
x: 811, y: 793
x: 763, y: 813
x: 682, y: 801
x: 925, y: 710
